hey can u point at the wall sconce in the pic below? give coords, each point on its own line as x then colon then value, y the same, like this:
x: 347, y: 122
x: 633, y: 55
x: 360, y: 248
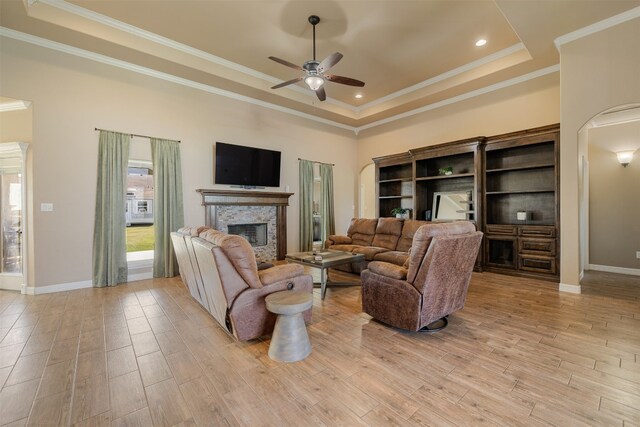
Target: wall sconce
x: 625, y: 157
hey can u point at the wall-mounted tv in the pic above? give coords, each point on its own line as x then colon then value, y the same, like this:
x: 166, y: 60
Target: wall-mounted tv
x: 247, y: 166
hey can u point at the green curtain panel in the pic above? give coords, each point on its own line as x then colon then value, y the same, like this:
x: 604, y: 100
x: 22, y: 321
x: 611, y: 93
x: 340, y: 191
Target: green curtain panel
x: 169, y: 212
x: 326, y: 201
x: 109, y: 235
x: 306, y: 205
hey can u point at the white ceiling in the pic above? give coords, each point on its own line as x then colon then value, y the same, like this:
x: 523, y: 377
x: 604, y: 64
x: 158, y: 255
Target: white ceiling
x: 411, y: 54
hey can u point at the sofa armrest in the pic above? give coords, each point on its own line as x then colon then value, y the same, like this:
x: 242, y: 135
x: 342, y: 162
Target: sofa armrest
x: 387, y: 269
x: 280, y: 272
x: 339, y: 240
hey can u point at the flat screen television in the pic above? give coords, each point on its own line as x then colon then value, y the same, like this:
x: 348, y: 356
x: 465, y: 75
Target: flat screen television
x: 247, y: 166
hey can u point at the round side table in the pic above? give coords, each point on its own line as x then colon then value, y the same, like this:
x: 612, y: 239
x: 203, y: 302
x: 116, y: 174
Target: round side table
x: 289, y: 342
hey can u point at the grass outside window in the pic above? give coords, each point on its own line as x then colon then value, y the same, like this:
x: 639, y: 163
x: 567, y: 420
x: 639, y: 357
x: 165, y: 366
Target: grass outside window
x: 139, y: 238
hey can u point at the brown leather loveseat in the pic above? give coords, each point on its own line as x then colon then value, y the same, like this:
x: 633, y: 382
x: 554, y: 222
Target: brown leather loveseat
x: 379, y: 239
x: 221, y: 273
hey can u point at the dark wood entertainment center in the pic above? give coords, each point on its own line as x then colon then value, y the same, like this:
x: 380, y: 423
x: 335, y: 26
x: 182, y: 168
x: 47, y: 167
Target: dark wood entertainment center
x: 505, y: 176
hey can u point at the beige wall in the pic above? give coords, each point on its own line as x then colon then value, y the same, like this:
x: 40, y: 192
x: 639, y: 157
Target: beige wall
x: 15, y: 126
x: 614, y: 203
x: 599, y: 71
x: 523, y: 106
x: 72, y: 96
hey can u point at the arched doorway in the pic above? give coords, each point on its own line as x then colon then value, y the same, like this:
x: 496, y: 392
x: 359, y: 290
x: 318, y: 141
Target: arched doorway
x: 609, y: 191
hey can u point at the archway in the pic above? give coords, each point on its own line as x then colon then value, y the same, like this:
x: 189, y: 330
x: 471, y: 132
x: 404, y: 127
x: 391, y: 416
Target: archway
x: 609, y: 202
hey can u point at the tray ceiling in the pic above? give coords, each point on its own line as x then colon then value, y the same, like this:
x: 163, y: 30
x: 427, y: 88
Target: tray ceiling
x: 411, y: 54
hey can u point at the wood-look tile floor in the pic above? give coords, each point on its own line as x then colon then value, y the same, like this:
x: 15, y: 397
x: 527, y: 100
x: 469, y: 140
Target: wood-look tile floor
x: 143, y: 354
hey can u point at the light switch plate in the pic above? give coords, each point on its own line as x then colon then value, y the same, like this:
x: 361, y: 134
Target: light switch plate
x: 638, y: 254
x: 46, y: 207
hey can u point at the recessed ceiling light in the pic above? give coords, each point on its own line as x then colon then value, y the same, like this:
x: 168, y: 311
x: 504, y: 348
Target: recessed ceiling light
x: 481, y: 42
x: 358, y: 95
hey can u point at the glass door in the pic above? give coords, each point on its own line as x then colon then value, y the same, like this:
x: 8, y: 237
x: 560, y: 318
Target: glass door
x: 12, y: 193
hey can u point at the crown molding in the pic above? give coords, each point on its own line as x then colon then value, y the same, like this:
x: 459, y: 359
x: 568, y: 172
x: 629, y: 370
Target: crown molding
x: 181, y: 47
x: 464, y: 96
x: 60, y: 47
x: 447, y: 75
x: 14, y: 106
x: 188, y: 50
x: 597, y: 27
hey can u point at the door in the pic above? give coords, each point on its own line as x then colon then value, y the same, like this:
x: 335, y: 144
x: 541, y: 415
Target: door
x: 12, y: 215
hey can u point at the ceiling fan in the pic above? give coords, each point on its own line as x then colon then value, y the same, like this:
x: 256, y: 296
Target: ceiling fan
x: 315, y: 77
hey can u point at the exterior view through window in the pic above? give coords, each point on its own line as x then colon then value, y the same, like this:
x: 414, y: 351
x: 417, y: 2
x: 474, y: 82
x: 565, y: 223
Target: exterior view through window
x: 139, y: 206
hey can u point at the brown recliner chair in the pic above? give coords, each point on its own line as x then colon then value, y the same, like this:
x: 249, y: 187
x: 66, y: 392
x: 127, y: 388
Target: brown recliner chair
x: 431, y: 285
x: 234, y: 288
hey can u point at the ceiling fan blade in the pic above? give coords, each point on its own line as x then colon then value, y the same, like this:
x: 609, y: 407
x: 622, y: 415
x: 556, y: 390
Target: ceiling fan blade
x: 343, y: 80
x: 286, y: 63
x: 287, y: 83
x: 322, y: 95
x: 329, y: 62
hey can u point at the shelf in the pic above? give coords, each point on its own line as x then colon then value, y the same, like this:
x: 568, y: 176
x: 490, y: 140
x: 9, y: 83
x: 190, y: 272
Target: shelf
x: 490, y: 193
x: 395, y: 197
x: 457, y: 175
x: 525, y: 167
x: 382, y: 181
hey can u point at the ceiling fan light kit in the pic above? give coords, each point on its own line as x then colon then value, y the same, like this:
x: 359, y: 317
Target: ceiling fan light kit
x: 314, y: 82
x: 315, y: 77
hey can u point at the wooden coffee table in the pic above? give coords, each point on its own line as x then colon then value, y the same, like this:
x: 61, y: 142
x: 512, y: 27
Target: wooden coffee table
x: 330, y: 258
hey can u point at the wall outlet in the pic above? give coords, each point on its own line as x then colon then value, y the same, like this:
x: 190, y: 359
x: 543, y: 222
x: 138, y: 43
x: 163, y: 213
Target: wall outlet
x: 638, y: 254
x: 46, y: 207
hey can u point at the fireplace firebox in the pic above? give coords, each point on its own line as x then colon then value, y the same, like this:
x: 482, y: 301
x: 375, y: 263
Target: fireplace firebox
x: 256, y: 234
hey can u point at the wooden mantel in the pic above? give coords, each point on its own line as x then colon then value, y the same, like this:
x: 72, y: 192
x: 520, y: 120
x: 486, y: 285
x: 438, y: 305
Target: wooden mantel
x: 218, y: 197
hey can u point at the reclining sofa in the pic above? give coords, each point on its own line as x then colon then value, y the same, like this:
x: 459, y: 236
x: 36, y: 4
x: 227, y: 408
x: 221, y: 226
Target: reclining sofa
x: 221, y: 273
x: 379, y: 239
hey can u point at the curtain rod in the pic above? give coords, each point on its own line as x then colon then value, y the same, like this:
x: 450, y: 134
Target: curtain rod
x: 320, y: 163
x: 135, y: 134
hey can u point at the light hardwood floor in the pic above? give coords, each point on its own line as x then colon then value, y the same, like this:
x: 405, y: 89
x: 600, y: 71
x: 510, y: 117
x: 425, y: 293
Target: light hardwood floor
x: 520, y: 353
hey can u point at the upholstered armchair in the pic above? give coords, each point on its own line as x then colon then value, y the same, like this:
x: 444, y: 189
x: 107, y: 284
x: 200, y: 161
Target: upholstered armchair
x: 235, y: 289
x: 431, y: 285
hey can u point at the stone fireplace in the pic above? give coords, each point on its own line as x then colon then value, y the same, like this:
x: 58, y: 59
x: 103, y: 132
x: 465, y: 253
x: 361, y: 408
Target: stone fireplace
x: 258, y: 216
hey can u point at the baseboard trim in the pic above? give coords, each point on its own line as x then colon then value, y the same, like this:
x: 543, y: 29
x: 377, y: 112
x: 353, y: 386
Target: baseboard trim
x: 12, y: 287
x: 140, y: 276
x: 573, y: 289
x: 73, y: 286
x: 60, y: 287
x: 612, y: 269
